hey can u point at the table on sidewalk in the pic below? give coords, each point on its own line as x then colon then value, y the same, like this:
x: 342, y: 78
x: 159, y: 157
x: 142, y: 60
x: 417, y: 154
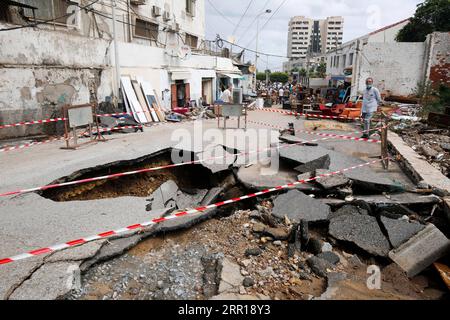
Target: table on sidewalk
x: 226, y: 111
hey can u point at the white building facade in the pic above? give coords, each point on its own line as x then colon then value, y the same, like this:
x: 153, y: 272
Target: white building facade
x: 71, y: 60
x: 308, y: 36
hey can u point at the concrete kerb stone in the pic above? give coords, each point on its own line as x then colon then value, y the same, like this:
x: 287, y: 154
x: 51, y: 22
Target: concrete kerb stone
x: 421, y: 250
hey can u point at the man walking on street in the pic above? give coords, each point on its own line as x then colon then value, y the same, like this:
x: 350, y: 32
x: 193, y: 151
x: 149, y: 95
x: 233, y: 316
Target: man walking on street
x: 371, y: 100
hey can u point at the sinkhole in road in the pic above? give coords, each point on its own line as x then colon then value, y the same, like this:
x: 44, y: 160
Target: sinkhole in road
x: 188, y: 178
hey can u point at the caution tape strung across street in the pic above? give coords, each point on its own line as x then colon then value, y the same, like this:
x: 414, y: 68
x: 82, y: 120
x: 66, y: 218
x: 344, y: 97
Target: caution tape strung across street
x: 135, y: 227
x: 31, y: 144
x: 27, y: 123
x: 32, y: 122
x: 116, y: 175
x: 344, y: 137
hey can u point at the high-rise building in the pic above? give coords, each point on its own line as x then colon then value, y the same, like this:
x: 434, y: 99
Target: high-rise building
x: 309, y: 36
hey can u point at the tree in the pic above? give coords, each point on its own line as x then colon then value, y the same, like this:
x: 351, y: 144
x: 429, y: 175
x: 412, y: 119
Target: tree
x: 303, y: 72
x: 261, y: 76
x: 430, y: 16
x: 279, y: 77
x: 322, y: 70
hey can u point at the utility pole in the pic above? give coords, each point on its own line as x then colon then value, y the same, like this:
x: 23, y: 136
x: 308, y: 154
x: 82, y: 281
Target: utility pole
x: 116, y: 49
x: 257, y: 38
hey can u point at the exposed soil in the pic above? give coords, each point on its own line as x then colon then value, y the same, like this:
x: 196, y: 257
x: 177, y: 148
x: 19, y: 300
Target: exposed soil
x: 137, y: 185
x: 170, y: 267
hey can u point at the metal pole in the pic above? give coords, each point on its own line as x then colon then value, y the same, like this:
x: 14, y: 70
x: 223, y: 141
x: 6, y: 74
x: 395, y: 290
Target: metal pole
x: 116, y: 49
x: 256, y: 58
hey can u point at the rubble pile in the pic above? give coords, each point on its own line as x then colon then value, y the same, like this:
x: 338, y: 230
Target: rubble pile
x: 314, y: 241
x: 432, y: 144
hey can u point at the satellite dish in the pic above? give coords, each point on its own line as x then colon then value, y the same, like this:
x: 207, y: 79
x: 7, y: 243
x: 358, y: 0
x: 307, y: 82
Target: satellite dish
x: 184, y: 52
x: 252, y: 69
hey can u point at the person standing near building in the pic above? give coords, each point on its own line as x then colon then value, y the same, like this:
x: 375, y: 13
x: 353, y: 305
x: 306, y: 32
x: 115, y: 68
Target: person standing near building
x: 371, y: 101
x: 226, y: 96
x: 281, y: 95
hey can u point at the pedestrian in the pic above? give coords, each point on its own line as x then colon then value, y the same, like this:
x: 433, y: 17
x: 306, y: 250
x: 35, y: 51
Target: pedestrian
x: 371, y: 101
x: 226, y: 96
x: 281, y: 95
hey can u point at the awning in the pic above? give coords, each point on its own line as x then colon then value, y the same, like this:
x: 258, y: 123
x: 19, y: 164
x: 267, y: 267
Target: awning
x: 231, y: 75
x: 180, y: 74
x: 338, y: 78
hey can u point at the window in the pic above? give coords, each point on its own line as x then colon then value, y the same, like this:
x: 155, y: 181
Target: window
x: 191, y: 41
x: 190, y: 7
x: 351, y: 59
x: 146, y: 29
x: 49, y: 10
x: 344, y: 60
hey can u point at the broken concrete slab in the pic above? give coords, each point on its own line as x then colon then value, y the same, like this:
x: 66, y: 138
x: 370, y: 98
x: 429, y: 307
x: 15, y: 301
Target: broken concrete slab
x: 189, y: 200
x: 50, y: 282
x: 164, y: 197
x: 363, y: 231
x: 230, y: 278
x: 113, y: 248
x: 330, y: 257
x: 296, y: 140
x: 298, y: 206
x: 258, y: 177
x: 319, y: 266
x: 212, y: 196
x: 315, y: 157
x: 330, y: 182
x: 348, y: 210
x: 406, y: 198
x: 319, y: 163
x: 400, y: 231
x: 382, y: 201
x: 217, y: 158
x: 79, y: 253
x: 419, y: 252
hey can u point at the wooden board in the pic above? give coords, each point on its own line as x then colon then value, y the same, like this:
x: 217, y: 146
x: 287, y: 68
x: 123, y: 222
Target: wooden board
x: 160, y: 114
x: 133, y: 101
x: 142, y: 100
x: 150, y: 99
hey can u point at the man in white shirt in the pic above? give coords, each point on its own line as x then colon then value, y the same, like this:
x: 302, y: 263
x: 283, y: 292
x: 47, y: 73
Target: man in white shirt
x: 371, y: 100
x: 280, y: 95
x: 226, y: 96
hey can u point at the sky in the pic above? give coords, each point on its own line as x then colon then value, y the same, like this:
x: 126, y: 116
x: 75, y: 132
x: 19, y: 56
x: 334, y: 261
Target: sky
x: 360, y: 17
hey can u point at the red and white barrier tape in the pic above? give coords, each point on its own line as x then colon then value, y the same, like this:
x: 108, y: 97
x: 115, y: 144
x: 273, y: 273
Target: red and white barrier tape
x: 116, y: 175
x: 31, y: 144
x: 26, y: 123
x: 135, y: 227
x: 344, y: 137
x: 291, y: 113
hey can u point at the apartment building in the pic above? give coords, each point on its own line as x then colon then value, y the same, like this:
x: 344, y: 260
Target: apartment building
x: 308, y: 36
x: 68, y: 55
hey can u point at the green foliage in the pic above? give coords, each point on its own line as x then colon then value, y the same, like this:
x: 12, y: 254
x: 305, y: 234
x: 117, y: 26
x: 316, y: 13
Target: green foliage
x: 303, y: 72
x: 279, y: 77
x: 261, y: 76
x: 321, y: 70
x: 430, y: 16
x: 433, y: 100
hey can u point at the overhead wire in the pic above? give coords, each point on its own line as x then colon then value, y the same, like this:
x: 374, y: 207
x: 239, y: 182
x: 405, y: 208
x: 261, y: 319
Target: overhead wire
x: 49, y: 20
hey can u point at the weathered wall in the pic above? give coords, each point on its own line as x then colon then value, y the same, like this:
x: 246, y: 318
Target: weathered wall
x: 42, y: 70
x: 395, y: 67
x: 438, y: 59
